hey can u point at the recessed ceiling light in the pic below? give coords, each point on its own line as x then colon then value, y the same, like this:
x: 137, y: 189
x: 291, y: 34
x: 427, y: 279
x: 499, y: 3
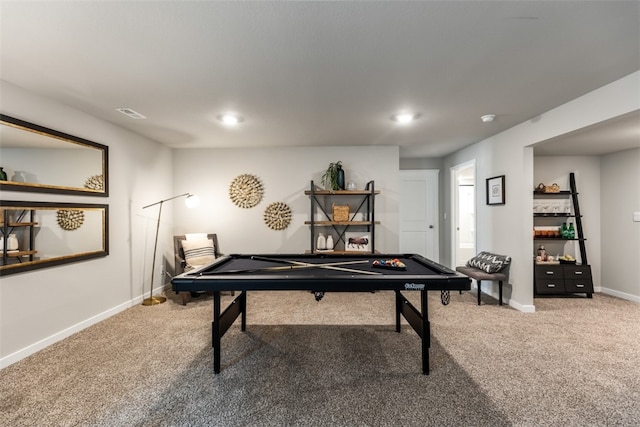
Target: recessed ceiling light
x: 130, y: 113
x: 404, y: 117
x: 488, y: 118
x: 230, y: 119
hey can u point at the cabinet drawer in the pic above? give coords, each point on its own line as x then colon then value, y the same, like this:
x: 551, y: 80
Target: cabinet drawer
x: 550, y: 286
x: 579, y: 285
x: 549, y: 272
x: 577, y: 272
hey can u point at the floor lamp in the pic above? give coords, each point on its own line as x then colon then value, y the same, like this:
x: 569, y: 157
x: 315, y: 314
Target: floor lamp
x: 191, y: 201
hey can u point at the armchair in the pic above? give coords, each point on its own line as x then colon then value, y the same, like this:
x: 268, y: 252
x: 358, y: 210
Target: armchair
x: 197, y: 255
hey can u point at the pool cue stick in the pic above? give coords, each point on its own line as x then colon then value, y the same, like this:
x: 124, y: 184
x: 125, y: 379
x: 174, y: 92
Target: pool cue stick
x: 329, y: 266
x: 291, y: 267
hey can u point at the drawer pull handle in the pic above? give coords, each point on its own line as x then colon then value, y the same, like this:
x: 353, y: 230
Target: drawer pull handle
x: 551, y: 285
x: 550, y: 273
x: 578, y: 273
x: 579, y: 286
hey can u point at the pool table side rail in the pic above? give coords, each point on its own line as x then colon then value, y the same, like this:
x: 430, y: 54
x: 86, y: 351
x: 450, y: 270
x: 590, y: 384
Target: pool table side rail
x: 441, y: 279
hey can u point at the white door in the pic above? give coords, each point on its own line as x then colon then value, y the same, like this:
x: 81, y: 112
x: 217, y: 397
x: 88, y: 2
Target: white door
x: 419, y: 230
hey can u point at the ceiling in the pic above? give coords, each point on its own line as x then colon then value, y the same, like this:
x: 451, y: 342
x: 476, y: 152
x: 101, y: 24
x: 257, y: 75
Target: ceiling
x: 320, y: 73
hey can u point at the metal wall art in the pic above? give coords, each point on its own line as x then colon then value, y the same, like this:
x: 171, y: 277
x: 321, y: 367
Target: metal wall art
x: 277, y: 216
x: 70, y: 219
x: 246, y: 191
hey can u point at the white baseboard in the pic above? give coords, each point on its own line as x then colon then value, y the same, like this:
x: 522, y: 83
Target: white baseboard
x: 623, y: 295
x: 59, y: 336
x: 495, y: 293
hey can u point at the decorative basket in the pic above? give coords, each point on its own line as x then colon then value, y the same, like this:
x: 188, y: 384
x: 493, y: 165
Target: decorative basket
x: 340, y: 213
x: 553, y: 188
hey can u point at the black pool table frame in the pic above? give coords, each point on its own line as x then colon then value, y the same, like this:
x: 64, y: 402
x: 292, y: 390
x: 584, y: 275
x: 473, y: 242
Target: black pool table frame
x: 422, y: 275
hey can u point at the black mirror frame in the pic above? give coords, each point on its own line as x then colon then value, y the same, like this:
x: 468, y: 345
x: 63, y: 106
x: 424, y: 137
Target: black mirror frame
x: 66, y: 259
x: 44, y: 188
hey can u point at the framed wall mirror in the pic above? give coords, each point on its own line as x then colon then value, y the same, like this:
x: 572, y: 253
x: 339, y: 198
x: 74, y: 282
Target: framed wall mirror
x: 35, y: 158
x: 39, y: 234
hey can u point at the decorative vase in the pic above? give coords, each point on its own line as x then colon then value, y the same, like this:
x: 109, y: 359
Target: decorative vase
x: 340, y: 178
x: 3, y: 174
x: 12, y: 243
x: 330, y: 242
x: 18, y: 176
x: 322, y: 243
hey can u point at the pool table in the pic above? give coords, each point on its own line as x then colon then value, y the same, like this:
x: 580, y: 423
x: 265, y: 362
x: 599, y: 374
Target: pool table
x: 320, y: 273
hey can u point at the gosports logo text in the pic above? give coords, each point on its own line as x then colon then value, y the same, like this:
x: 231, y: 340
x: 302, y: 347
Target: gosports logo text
x: 414, y: 286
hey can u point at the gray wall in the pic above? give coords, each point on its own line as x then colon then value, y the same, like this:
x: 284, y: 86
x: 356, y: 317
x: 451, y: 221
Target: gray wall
x: 285, y: 174
x: 620, y: 197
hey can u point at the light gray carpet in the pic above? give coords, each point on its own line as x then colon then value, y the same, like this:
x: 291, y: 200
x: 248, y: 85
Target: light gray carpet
x: 339, y: 362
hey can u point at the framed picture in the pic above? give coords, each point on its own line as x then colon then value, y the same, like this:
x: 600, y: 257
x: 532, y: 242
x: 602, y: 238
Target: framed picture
x: 495, y: 190
x: 359, y: 242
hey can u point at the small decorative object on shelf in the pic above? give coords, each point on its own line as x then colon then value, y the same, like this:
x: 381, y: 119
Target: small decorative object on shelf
x: 277, y: 216
x: 12, y: 243
x: 19, y: 176
x: 340, y: 213
x: 542, y: 254
x: 553, y: 188
x: 3, y: 174
x: 330, y: 242
x: 321, y: 243
x: 351, y: 185
x: 333, y: 178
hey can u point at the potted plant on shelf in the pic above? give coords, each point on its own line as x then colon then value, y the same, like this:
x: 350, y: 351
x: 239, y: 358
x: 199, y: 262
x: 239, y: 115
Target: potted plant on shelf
x: 333, y: 178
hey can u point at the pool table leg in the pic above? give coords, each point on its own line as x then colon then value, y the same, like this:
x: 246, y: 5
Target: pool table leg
x: 426, y: 332
x: 419, y: 321
x: 398, y: 310
x: 215, y: 327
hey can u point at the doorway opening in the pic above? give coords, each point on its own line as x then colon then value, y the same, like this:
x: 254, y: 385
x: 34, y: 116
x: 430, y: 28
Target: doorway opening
x: 463, y: 200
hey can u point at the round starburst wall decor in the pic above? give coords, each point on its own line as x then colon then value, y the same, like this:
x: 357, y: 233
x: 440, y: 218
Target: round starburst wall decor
x: 70, y: 219
x: 95, y: 182
x: 246, y: 191
x: 277, y: 216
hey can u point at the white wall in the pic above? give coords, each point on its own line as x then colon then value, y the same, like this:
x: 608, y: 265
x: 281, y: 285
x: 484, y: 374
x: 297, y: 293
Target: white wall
x: 620, y: 189
x: 285, y: 174
x: 40, y: 307
x: 508, y: 229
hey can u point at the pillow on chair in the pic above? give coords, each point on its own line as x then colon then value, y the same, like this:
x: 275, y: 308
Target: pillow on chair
x: 198, y: 252
x: 489, y: 262
x: 195, y: 236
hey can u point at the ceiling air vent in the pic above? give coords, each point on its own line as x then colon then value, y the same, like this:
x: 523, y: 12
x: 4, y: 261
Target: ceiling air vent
x: 129, y: 112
